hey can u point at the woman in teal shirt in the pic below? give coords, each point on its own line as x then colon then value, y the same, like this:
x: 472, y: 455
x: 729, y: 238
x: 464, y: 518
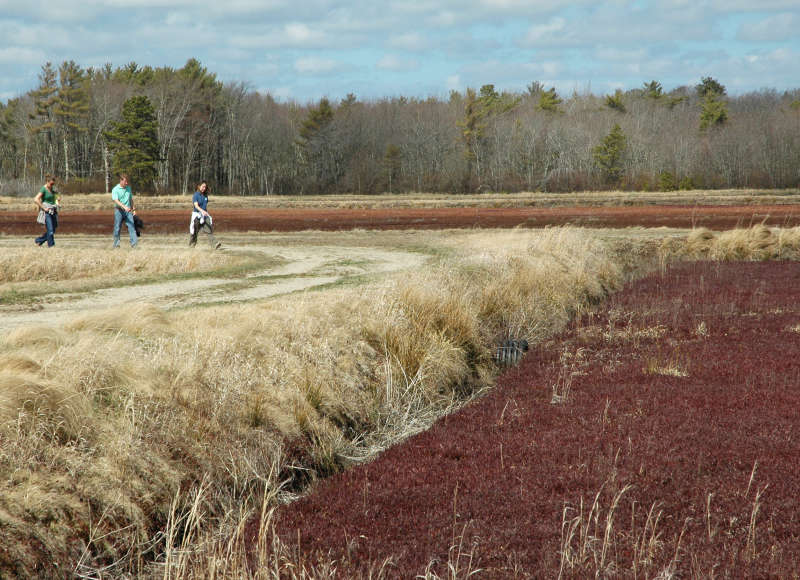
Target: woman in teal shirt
x: 47, y: 201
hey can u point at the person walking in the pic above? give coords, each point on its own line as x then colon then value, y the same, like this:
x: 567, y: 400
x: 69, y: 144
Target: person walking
x: 48, y: 203
x: 124, y: 210
x: 201, y: 219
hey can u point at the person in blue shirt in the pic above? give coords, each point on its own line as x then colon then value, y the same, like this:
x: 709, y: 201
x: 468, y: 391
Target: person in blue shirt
x: 201, y: 219
x: 122, y: 196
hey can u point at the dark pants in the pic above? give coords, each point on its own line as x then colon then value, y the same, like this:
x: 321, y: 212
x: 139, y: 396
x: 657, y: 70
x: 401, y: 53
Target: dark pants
x: 50, y: 224
x: 207, y: 229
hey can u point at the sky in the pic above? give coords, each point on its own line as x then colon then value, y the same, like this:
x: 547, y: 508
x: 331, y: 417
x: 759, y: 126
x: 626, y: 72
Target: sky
x: 303, y: 50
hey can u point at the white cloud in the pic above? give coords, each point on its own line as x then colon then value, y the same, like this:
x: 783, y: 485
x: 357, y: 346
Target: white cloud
x: 300, y: 33
x: 22, y: 55
x: 554, y: 30
x: 314, y: 65
x: 411, y: 41
x: 776, y: 28
x: 453, y: 83
x: 750, y: 6
x: 395, y: 63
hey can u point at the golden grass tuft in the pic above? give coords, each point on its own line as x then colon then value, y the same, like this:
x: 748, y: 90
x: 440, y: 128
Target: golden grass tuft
x: 29, y: 402
x: 35, y: 337
x: 58, y: 264
x: 133, y: 318
x: 758, y: 242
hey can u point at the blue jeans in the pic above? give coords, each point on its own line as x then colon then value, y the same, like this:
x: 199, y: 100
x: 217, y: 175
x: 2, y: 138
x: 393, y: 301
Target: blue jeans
x: 127, y: 217
x: 50, y: 223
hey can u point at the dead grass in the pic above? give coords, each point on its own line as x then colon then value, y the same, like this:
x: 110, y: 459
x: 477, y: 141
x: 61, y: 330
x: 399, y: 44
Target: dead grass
x: 759, y: 242
x: 60, y: 264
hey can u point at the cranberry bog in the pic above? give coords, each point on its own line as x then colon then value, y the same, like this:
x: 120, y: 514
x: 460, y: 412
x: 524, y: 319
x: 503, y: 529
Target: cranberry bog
x: 172, y: 221
x: 656, y: 437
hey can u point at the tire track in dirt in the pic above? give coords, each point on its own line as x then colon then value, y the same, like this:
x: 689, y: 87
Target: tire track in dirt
x: 305, y: 268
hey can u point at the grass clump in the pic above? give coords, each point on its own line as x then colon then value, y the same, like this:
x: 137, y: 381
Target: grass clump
x: 60, y: 264
x: 756, y: 243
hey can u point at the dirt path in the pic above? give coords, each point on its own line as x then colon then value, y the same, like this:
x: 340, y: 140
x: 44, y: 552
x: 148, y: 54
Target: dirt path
x: 304, y: 268
x: 657, y: 438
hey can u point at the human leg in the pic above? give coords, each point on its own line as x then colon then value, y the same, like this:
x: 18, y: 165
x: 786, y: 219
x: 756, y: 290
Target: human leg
x: 118, y: 217
x: 193, y: 232
x: 51, y: 223
x: 209, y: 231
x: 128, y: 217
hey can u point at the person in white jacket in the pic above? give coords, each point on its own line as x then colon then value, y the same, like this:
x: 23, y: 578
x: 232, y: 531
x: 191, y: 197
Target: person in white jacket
x: 201, y: 219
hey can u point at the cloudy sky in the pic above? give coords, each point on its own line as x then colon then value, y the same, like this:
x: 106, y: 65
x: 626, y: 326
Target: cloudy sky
x: 306, y: 49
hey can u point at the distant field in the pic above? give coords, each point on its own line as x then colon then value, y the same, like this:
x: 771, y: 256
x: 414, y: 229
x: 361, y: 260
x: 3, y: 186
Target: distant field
x: 718, y: 210
x: 100, y: 201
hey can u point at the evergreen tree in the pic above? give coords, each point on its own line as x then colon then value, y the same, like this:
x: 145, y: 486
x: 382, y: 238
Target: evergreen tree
x: 133, y: 141
x: 43, y: 117
x: 714, y: 111
x: 318, y: 155
x: 550, y: 101
x: 653, y: 90
x: 608, y: 156
x: 615, y: 101
x: 392, y: 162
x: 479, y: 112
x: 709, y: 86
x: 71, y: 108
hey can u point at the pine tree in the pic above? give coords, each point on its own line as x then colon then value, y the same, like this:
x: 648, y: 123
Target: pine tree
x: 71, y: 108
x: 44, y: 101
x: 392, y: 162
x: 609, y: 154
x: 653, y: 90
x: 709, y: 86
x: 550, y: 101
x: 479, y: 112
x: 133, y: 141
x: 615, y: 101
x: 318, y: 156
x: 714, y: 111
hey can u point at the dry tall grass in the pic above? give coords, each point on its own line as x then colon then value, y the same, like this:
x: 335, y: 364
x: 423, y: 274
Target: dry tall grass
x: 59, y: 264
x: 109, y: 424
x: 759, y: 242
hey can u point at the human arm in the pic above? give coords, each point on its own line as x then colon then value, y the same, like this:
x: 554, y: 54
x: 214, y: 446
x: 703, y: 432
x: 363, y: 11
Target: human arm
x: 200, y: 209
x: 115, y: 193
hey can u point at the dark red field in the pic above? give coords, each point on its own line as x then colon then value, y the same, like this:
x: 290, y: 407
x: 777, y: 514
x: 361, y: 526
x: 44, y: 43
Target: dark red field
x: 283, y: 220
x: 710, y: 452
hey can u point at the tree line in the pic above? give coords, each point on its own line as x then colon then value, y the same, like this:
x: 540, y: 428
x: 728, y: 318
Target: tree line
x: 170, y: 128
